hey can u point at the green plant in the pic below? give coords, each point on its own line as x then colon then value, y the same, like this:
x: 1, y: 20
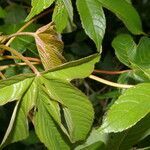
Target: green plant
x: 46, y: 97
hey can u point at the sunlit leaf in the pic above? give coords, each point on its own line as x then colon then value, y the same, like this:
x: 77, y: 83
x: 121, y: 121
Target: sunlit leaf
x: 93, y: 20
x: 46, y: 128
x: 13, y: 88
x: 129, y: 109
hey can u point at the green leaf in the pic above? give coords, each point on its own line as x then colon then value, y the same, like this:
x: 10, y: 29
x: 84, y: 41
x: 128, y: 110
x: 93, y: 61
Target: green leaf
x: 2, y: 12
x: 127, y: 139
x: 38, y: 6
x: 20, y: 121
x: 93, y: 20
x: 81, y: 116
x: 125, y: 113
x: 70, y: 71
x: 126, y: 12
x: 142, y: 55
x: 69, y: 8
x: 13, y: 88
x: 96, y: 146
x: 60, y: 12
x: 20, y: 43
x: 51, y: 105
x: 64, y: 9
x: 124, y: 47
x: 46, y: 128
x: 12, y: 120
x: 95, y: 141
x: 132, y: 55
x: 15, y: 14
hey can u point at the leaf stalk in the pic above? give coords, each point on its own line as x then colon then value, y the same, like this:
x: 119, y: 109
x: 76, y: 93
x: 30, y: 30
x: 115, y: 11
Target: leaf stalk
x: 124, y: 86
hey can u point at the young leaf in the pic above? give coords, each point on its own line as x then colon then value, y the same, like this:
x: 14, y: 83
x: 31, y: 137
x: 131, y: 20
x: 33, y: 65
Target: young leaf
x: 129, y: 109
x: 126, y: 12
x: 49, y: 46
x: 93, y: 20
x: 38, y: 6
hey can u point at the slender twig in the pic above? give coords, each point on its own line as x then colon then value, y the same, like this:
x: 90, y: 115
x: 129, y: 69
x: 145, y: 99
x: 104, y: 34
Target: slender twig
x: 110, y: 72
x: 15, y: 57
x: 109, y: 82
x: 21, y: 57
x: 17, y: 64
x: 21, y: 33
x: 2, y: 76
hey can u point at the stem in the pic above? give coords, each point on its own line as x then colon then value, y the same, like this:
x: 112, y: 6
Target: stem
x: 109, y: 82
x: 21, y: 33
x: 2, y: 76
x: 110, y: 72
x: 17, y: 64
x: 21, y: 57
x: 15, y: 57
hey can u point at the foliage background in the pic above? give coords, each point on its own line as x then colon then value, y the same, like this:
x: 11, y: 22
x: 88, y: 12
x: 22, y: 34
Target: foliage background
x: 77, y: 45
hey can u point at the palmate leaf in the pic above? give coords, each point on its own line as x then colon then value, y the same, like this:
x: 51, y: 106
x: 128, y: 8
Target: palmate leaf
x: 43, y: 100
x: 129, y: 109
x: 93, y: 20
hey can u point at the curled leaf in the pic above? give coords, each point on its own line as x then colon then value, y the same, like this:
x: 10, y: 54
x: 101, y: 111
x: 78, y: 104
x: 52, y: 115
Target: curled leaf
x: 49, y: 46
